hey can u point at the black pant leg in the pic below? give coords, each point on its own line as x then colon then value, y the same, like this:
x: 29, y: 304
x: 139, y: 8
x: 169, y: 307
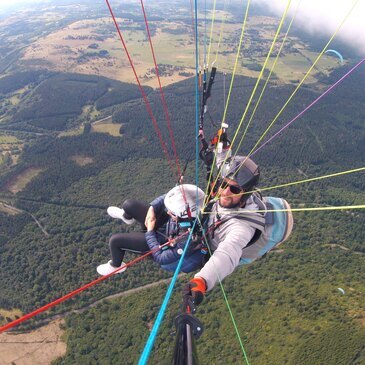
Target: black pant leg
x: 135, y: 209
x: 138, y: 210
x: 121, y: 242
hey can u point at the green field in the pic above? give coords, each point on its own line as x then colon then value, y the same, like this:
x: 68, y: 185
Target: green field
x: 110, y: 128
x: 23, y: 179
x: 174, y: 45
x: 5, y: 139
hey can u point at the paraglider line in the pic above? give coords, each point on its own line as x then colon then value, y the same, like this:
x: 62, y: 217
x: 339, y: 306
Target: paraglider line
x: 221, y: 34
x: 164, y: 104
x: 344, y: 207
x: 230, y: 88
x: 253, y: 92
x: 148, y: 106
x: 211, y: 31
x: 300, y: 182
x: 269, y: 76
x: 304, y: 78
x: 168, y: 120
x: 310, y: 105
x: 196, y: 98
x: 296, y: 89
x: 225, y: 298
x: 152, y: 337
x: 260, y: 75
x: 77, y: 291
x: 236, y: 61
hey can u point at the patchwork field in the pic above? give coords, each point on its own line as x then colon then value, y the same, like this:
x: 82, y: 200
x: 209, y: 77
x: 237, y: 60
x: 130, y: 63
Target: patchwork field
x: 93, y: 47
x: 40, y: 346
x: 110, y: 128
x: 10, y: 149
x: 20, y: 181
x: 6, y: 141
x: 9, y: 314
x: 82, y: 160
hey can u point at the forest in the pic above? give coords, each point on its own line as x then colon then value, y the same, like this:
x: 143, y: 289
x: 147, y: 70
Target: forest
x: 55, y: 101
x: 287, y: 304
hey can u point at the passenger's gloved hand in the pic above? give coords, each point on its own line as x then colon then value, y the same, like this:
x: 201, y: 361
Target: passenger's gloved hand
x: 193, y: 293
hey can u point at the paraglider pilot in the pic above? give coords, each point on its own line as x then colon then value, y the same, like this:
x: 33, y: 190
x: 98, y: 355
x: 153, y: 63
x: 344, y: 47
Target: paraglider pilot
x: 239, y: 175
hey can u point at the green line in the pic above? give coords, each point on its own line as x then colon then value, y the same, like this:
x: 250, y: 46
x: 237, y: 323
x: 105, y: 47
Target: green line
x: 211, y: 32
x: 343, y: 207
x: 313, y: 179
x: 300, y: 182
x: 221, y: 32
x: 253, y: 91
x: 268, y: 78
x: 230, y: 88
x: 262, y: 71
x: 226, y: 300
x: 304, y: 78
x: 236, y: 61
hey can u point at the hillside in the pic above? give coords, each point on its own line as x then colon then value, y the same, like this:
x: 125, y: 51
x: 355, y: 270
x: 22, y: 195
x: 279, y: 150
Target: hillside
x: 55, y: 101
x: 287, y: 305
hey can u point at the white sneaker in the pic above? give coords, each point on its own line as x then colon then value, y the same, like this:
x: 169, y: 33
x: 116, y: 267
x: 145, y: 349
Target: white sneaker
x: 108, y: 268
x: 118, y: 213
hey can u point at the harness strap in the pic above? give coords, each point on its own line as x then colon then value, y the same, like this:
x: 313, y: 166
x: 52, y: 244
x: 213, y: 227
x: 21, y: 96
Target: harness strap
x: 256, y: 220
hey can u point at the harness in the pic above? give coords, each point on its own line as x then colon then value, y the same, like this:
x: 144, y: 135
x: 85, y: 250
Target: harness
x: 257, y: 220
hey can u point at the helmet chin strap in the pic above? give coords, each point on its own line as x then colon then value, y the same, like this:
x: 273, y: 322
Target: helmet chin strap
x: 243, y: 200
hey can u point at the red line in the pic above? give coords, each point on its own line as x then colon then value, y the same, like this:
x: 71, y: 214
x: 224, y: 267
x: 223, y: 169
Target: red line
x: 148, y: 106
x: 79, y: 290
x: 161, y: 91
x: 86, y: 286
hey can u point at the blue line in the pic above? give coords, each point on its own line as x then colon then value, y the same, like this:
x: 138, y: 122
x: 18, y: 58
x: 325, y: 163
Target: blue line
x: 205, y: 33
x: 151, y: 339
x: 196, y: 99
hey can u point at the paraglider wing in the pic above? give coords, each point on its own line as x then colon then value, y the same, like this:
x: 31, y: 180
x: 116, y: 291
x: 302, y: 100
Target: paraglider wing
x: 338, y: 54
x: 341, y: 290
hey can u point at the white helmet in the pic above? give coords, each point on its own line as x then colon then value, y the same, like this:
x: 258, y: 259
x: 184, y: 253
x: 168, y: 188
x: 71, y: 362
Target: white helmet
x: 176, y: 199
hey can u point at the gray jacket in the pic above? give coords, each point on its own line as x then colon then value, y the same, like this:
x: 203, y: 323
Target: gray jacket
x: 226, y: 242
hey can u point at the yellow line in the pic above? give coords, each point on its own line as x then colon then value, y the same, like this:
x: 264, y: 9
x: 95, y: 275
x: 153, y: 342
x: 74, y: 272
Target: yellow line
x: 230, y: 89
x: 211, y: 32
x: 262, y: 70
x: 254, y: 89
x: 268, y: 78
x: 344, y: 207
x: 301, y: 181
x: 236, y: 61
x: 305, y: 76
x: 314, y: 179
x: 296, y: 89
x: 221, y: 31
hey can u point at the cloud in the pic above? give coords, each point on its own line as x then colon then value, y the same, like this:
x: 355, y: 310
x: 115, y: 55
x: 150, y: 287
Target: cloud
x: 324, y: 16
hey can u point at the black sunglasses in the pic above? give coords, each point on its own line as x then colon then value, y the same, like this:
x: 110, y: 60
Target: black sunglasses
x: 233, y: 188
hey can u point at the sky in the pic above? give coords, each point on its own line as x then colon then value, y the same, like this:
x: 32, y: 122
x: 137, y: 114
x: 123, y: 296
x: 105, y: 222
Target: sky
x: 6, y: 5
x: 324, y: 16
x: 317, y: 16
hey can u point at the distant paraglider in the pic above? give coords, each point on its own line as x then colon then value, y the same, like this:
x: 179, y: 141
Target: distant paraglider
x: 341, y: 290
x: 338, y: 54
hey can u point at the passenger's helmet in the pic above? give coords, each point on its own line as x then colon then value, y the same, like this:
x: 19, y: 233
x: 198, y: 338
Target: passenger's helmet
x: 242, y: 170
x: 176, y: 199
